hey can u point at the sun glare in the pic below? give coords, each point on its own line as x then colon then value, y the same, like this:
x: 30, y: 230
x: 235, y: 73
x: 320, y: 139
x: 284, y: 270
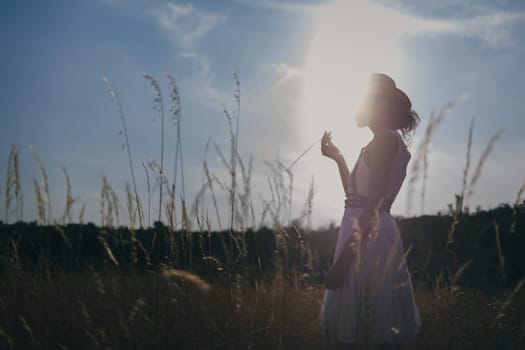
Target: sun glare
x: 351, y: 41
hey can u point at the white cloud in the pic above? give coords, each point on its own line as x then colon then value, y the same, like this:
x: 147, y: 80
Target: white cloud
x: 202, y: 82
x: 287, y: 6
x: 272, y: 110
x: 495, y: 29
x: 283, y: 72
x: 188, y: 27
x: 188, y: 24
x: 491, y: 26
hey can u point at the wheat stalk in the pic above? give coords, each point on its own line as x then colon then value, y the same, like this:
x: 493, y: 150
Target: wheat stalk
x: 457, y: 275
x: 107, y: 249
x: 45, y: 184
x: 515, y: 209
x: 308, y: 149
x: 461, y: 197
x: 161, y: 177
x: 289, y: 173
x: 170, y: 211
x: 14, y: 253
x: 148, y: 184
x: 8, y: 186
x: 234, y: 147
x: 40, y: 203
x: 81, y: 213
x: 103, y: 196
x: 419, y: 166
x: 482, y: 160
x: 13, y: 184
x: 214, y: 199
x: 455, y: 220
x: 245, y: 196
x: 467, y: 163
x: 129, y: 205
x: 158, y: 106
x: 116, y: 102
x: 18, y: 188
x: 507, y: 302
x: 108, y: 204
x: 235, y: 151
x: 204, y: 183
x: 501, y: 258
x: 195, y: 208
x: 175, y: 110
x: 277, y: 187
x: 185, y: 276
x: 66, y: 217
x: 230, y: 165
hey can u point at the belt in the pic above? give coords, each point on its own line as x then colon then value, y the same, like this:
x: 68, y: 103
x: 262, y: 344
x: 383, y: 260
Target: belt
x: 354, y: 200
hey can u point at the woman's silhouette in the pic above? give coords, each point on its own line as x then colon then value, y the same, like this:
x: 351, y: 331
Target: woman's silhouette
x: 369, y: 297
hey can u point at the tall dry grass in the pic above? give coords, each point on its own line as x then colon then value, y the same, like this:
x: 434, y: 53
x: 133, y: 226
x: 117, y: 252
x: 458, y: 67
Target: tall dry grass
x: 177, y: 309
x: 41, y: 209
x: 70, y: 200
x: 419, y: 167
x: 126, y: 144
x: 166, y: 310
x: 175, y: 109
x: 109, y: 205
x: 482, y: 160
x: 467, y: 191
x: 13, y: 187
x: 43, y: 192
x: 159, y: 107
x: 515, y: 208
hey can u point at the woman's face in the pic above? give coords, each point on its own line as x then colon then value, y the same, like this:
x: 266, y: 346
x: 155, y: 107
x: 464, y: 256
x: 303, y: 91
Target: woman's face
x: 372, y: 112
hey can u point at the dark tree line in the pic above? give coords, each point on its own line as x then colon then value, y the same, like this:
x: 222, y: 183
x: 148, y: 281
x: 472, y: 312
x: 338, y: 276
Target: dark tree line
x: 488, y: 244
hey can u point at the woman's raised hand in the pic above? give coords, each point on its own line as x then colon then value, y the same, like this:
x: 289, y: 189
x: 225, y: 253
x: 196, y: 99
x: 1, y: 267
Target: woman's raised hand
x: 328, y: 149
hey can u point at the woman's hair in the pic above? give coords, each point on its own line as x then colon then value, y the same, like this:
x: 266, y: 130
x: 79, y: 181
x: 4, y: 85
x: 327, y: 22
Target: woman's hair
x: 392, y: 104
x: 402, y: 116
x: 411, y: 124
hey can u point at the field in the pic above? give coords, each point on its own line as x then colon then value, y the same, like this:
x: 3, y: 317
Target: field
x: 173, y: 311
x: 182, y: 285
x: 109, y: 299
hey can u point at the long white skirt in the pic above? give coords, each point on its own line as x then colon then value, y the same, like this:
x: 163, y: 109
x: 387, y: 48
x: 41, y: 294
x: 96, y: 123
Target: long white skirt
x: 376, y: 303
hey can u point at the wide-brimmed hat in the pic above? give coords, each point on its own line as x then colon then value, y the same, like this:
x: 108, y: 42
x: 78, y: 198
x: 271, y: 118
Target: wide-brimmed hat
x: 381, y: 85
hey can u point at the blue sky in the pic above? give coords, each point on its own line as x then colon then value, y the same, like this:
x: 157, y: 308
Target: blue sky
x: 302, y: 66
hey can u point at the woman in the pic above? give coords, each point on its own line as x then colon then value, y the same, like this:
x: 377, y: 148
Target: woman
x: 370, y: 297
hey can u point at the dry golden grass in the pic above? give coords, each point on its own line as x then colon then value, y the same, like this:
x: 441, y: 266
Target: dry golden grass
x: 170, y: 310
x: 67, y: 215
x: 13, y: 186
x: 44, y: 190
x: 175, y: 309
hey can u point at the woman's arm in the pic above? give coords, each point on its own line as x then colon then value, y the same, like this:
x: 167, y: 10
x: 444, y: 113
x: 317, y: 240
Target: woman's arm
x: 344, y: 173
x: 383, y: 149
x: 328, y: 149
